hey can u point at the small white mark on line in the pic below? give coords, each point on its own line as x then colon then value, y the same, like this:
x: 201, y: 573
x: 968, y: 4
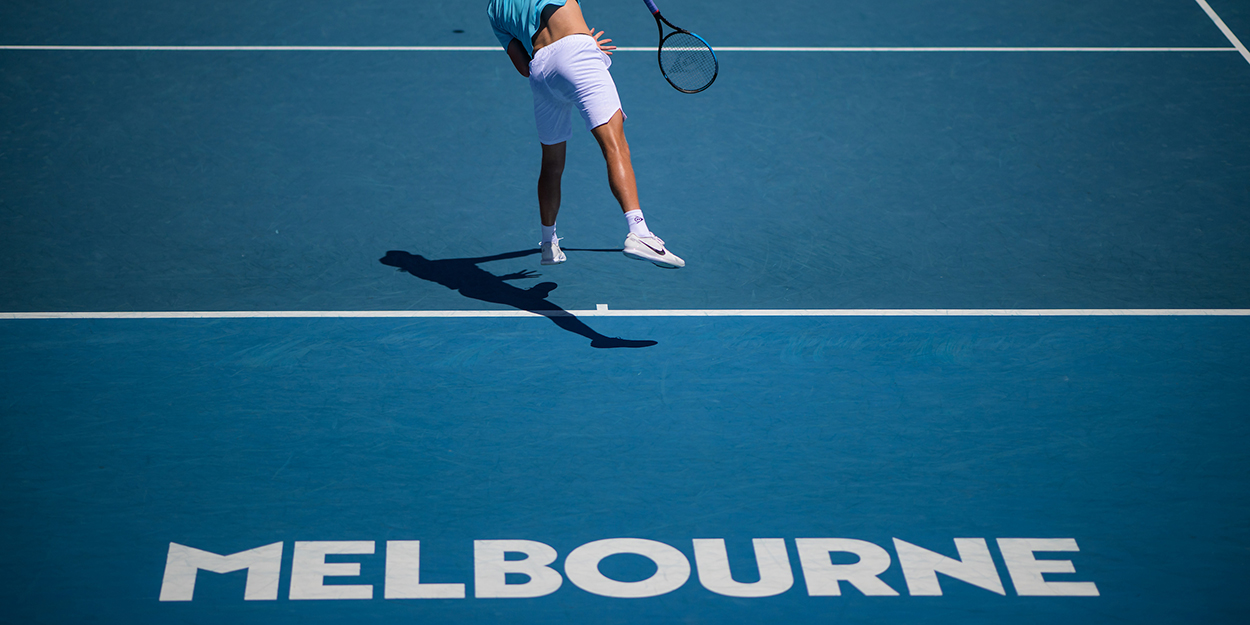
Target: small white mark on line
x: 601, y: 307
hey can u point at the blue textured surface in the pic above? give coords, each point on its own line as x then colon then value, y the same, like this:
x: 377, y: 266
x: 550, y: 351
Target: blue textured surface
x: 1128, y: 435
x: 278, y: 180
x: 201, y: 181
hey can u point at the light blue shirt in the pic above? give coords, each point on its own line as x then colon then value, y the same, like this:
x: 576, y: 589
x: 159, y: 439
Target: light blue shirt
x: 518, y: 19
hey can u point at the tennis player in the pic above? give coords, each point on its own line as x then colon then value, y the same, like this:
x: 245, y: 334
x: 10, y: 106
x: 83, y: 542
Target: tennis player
x: 567, y: 65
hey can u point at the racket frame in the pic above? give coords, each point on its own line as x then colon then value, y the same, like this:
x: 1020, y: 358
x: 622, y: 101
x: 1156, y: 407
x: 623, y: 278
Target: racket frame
x: 660, y: 21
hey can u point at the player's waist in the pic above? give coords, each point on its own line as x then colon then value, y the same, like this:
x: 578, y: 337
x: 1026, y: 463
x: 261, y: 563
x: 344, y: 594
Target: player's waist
x: 571, y: 40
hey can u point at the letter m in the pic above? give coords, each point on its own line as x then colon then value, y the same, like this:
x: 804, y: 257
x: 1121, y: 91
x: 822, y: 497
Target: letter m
x: 263, y: 564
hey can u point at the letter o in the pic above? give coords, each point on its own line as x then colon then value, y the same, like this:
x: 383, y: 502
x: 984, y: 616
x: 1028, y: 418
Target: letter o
x: 582, y: 568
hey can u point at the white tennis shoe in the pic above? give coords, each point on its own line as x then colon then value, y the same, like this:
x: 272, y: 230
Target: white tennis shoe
x: 552, y: 254
x: 651, y: 248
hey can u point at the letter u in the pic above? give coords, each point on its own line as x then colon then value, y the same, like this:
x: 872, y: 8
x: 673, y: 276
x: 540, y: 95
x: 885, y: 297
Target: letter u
x: 770, y: 556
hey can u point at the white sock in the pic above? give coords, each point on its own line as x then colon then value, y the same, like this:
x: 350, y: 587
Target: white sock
x: 549, y: 233
x: 637, y: 224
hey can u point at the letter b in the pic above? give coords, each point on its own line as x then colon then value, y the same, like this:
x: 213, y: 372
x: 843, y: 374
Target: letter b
x: 490, y: 569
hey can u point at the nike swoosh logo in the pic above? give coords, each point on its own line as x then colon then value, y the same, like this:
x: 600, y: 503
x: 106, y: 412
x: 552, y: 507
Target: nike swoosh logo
x: 653, y: 249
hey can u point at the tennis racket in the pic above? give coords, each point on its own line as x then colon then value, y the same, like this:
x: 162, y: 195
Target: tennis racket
x: 686, y: 60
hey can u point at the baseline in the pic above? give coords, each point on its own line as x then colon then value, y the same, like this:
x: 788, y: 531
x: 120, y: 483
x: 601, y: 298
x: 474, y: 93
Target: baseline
x: 602, y: 311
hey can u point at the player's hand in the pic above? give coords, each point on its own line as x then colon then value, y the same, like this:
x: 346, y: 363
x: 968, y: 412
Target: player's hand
x: 603, y: 44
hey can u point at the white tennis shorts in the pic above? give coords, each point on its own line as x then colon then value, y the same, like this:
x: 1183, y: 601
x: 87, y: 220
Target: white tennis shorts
x: 571, y: 71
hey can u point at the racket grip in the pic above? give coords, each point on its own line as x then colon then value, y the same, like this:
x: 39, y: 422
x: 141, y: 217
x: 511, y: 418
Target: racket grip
x: 651, y: 5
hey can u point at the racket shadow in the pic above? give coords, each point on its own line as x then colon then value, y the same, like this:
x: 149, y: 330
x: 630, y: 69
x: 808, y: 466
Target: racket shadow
x: 464, y: 275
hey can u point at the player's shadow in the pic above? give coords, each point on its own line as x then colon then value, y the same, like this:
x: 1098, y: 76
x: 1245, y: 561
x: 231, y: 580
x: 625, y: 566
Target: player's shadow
x: 464, y: 275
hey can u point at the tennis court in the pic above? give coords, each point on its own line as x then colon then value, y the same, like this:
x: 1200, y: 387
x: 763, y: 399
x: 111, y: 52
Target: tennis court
x: 962, y: 337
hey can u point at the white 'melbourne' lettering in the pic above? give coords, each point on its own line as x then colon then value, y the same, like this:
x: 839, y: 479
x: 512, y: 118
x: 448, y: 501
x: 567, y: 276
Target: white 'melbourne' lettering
x: 309, y: 570
x: 1026, y: 571
x: 823, y: 576
x: 263, y: 564
x: 490, y: 569
x: 403, y: 574
x: 921, y: 566
x: 582, y: 568
x: 712, y: 561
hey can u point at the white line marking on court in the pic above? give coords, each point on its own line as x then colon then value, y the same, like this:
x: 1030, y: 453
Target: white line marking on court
x: 266, y: 48
x: 998, y: 49
x: 601, y: 310
x: 621, y: 49
x: 1225, y: 29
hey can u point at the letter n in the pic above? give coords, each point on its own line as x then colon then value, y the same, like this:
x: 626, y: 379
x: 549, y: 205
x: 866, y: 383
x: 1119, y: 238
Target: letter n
x: 921, y: 566
x: 263, y: 564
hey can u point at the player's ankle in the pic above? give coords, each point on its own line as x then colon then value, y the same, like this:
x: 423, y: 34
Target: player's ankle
x: 637, y: 223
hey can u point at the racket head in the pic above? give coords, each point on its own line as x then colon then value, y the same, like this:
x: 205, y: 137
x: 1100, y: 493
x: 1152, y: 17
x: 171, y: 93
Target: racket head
x: 687, y: 61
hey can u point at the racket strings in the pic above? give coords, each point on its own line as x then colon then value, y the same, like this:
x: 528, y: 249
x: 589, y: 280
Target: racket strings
x: 687, y: 62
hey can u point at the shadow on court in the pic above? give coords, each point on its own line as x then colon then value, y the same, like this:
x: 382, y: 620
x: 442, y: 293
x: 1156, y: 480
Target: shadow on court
x: 464, y: 275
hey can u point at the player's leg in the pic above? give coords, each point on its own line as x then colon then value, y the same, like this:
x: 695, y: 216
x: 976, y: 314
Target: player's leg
x: 640, y: 243
x: 549, y: 183
x: 611, y: 138
x: 549, y: 201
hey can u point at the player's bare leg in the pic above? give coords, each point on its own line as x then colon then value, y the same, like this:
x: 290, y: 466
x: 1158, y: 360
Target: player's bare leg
x: 611, y: 138
x: 549, y: 182
x: 549, y: 201
x: 641, y: 244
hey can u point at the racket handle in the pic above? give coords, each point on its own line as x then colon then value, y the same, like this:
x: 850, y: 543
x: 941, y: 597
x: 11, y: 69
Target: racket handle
x: 651, y: 5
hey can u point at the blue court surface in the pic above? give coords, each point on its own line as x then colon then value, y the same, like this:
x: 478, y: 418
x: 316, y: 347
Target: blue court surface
x: 962, y: 338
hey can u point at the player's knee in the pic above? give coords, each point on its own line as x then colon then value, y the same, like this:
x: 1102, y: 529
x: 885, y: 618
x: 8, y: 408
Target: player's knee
x: 553, y: 162
x: 616, y: 152
x: 552, y: 168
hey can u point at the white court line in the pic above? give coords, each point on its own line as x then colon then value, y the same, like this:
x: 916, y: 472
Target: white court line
x: 621, y: 49
x: 1225, y: 29
x: 603, y: 311
x: 267, y: 48
x: 974, y: 49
